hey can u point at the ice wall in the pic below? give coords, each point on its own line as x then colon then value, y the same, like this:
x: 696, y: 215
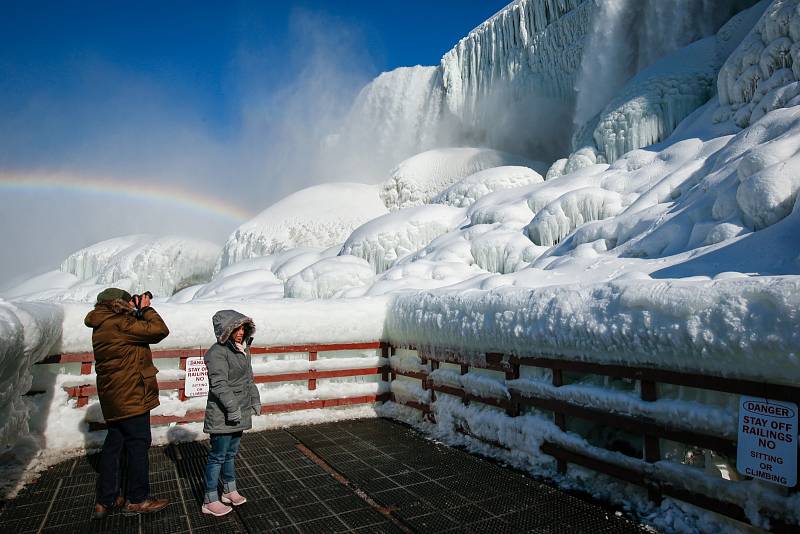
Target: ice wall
x: 518, y: 69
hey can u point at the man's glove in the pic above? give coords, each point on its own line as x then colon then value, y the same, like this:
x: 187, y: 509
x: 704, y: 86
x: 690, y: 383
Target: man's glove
x: 235, y: 416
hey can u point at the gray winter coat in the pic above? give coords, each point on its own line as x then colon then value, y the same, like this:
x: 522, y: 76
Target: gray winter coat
x: 233, y: 397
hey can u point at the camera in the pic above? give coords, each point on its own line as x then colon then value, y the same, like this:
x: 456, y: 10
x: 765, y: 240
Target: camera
x: 136, y: 300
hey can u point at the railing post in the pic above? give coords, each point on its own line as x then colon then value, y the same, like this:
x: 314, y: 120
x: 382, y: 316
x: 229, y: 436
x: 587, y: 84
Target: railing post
x: 182, y: 389
x: 83, y: 398
x: 312, y: 382
x: 434, y: 365
x: 558, y: 418
x: 86, y: 367
x: 512, y: 373
x: 652, y: 448
x: 465, y: 395
x: 386, y: 352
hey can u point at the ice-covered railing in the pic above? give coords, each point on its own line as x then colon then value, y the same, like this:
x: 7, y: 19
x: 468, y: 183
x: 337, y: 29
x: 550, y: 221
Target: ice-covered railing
x: 628, y: 422
x: 644, y: 425
x: 304, y: 375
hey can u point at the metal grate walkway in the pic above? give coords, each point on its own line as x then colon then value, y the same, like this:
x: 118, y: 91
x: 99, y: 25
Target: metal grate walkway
x: 369, y: 475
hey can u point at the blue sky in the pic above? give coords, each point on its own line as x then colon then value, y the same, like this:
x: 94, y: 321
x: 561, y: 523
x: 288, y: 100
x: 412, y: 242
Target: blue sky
x: 220, y: 99
x: 71, y: 56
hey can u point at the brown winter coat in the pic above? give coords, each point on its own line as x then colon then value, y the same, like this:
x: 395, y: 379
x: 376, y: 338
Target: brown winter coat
x: 126, y: 376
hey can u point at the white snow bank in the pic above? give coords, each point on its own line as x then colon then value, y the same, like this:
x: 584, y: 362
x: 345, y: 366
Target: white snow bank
x: 320, y: 216
x: 719, y: 327
x: 279, y: 322
x: 420, y: 178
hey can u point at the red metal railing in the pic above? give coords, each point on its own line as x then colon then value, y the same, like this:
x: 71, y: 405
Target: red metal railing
x: 652, y: 431
x: 83, y: 392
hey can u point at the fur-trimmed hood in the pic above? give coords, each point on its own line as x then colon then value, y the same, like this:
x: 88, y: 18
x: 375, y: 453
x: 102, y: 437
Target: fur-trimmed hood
x: 103, y: 310
x: 226, y: 321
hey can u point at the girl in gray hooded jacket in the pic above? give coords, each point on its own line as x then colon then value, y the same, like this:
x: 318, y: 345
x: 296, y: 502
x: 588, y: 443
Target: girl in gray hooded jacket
x: 233, y: 399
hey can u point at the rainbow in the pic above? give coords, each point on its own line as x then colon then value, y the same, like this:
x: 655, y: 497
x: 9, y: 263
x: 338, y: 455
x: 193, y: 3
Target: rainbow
x: 143, y: 189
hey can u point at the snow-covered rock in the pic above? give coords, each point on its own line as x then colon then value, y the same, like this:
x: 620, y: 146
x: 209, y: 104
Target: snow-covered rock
x: 318, y: 216
x: 385, y: 240
x: 420, y: 178
x: 465, y: 192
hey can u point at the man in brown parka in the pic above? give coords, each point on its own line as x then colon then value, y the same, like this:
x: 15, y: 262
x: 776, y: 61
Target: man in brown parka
x: 128, y: 390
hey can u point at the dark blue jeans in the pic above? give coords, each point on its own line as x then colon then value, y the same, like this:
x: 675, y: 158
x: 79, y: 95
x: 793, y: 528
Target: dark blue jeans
x: 220, y: 458
x: 132, y: 434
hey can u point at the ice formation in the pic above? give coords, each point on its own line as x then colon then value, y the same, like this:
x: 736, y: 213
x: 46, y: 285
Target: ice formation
x: 679, y: 255
x: 420, y: 178
x: 306, y: 218
x: 516, y: 69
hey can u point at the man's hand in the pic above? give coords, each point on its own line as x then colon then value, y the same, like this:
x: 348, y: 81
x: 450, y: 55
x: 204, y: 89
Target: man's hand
x: 145, y: 302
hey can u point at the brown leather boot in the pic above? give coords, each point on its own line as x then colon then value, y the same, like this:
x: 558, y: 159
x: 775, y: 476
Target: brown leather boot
x: 147, y: 506
x: 101, y: 512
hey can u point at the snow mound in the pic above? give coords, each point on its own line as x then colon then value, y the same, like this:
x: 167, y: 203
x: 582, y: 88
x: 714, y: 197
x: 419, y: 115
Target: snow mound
x: 583, y: 157
x: 319, y: 216
x: 761, y: 75
x: 140, y: 263
x: 494, y: 248
x: 243, y: 285
x: 385, y: 240
x: 329, y: 277
x: 420, y: 178
x: 465, y: 192
x: 256, y: 278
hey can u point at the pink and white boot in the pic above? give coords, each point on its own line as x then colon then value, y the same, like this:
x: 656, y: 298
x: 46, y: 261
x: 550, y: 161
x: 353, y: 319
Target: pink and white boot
x: 216, y: 508
x: 233, y: 498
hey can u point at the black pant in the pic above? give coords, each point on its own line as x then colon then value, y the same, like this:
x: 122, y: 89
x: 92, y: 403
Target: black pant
x: 133, y: 434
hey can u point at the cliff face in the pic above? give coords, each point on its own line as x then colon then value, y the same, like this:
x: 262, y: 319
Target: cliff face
x: 531, y: 76
x: 503, y: 85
